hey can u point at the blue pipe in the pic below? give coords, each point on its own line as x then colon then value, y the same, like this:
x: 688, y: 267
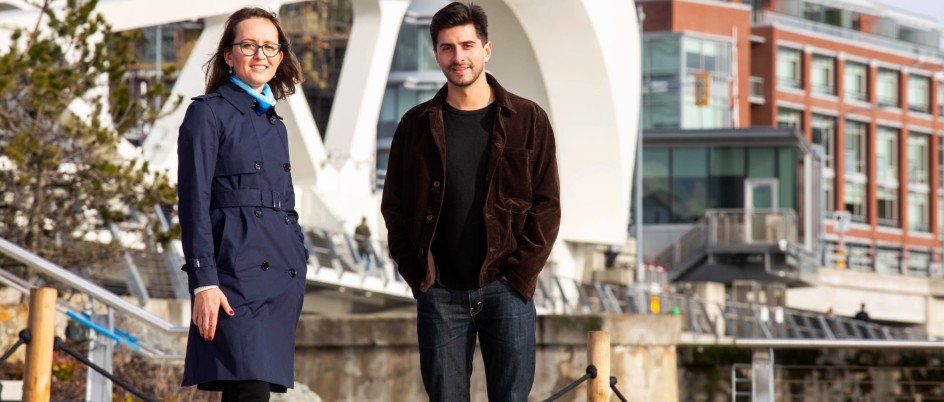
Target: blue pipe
x: 102, y: 330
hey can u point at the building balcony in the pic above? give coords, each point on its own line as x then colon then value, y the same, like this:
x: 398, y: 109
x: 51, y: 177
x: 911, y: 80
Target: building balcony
x: 927, y: 53
x: 757, y: 91
x: 735, y: 244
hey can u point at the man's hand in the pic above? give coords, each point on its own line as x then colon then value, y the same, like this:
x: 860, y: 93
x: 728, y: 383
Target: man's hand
x: 206, y: 309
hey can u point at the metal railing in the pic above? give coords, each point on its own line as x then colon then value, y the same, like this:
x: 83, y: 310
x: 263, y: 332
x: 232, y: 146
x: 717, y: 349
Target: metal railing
x: 843, y: 383
x: 852, y: 35
x: 757, y: 226
x: 165, y: 336
x: 732, y: 320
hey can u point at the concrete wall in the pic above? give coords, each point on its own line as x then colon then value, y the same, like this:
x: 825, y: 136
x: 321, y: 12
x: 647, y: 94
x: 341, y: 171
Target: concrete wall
x: 375, y: 357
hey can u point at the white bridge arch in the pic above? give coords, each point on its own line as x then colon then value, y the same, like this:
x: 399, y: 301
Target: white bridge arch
x: 579, y: 59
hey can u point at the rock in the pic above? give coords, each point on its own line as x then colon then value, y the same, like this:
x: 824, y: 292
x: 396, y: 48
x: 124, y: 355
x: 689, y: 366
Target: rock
x: 301, y: 393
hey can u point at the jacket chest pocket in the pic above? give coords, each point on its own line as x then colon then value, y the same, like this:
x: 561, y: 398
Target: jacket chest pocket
x: 242, y: 157
x: 514, y: 184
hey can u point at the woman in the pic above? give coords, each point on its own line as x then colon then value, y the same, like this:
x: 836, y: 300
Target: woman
x: 245, y: 254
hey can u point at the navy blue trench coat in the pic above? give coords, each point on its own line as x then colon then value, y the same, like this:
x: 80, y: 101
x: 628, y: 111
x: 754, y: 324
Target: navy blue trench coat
x: 240, y: 231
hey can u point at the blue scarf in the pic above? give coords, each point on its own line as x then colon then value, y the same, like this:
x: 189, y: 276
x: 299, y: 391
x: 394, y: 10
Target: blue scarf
x: 264, y: 100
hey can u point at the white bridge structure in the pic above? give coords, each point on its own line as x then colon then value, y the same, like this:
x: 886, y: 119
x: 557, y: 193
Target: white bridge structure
x: 579, y: 59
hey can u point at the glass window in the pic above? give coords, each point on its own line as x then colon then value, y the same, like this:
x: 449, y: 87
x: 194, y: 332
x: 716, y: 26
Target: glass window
x: 707, y: 55
x: 940, y: 186
x: 761, y: 162
x: 398, y: 100
x: 414, y: 51
x: 656, y: 193
x: 661, y: 110
x: 824, y: 132
x: 662, y: 61
x: 918, y: 263
x: 919, y: 212
x: 887, y: 261
x: 886, y: 155
x: 689, y: 184
x: 790, y: 118
x: 856, y: 82
x: 855, y: 148
x: 919, y: 180
x: 661, y: 82
x: 727, y: 177
x: 711, y: 57
x: 829, y: 195
x: 854, y: 201
x: 886, y: 88
x: 940, y: 98
x: 789, y: 68
x: 823, y: 75
x: 887, y: 206
x: 919, y: 153
x: 786, y: 176
x: 919, y: 94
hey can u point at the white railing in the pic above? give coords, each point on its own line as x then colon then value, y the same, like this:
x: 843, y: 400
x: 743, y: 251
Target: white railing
x: 931, y: 53
x: 137, y: 321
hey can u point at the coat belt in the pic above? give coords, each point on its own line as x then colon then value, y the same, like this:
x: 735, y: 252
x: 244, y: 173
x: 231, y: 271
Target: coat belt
x: 250, y: 198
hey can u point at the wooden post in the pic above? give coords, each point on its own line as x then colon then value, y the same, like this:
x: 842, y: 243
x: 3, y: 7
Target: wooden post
x: 598, y: 354
x: 42, y: 315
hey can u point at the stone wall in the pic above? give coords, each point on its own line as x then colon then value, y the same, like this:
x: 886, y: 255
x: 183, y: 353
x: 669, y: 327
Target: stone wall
x: 375, y: 357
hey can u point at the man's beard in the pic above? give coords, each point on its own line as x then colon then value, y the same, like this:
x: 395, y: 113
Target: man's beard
x: 473, y: 78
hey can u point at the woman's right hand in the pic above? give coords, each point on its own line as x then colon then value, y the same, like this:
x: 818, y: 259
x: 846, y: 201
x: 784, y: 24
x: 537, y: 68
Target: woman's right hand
x: 206, y: 309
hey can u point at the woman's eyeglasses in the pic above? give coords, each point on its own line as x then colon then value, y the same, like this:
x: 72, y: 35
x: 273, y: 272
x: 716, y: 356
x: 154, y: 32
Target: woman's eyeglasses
x: 251, y: 48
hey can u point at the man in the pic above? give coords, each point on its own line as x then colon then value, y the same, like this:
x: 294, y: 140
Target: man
x: 863, y: 315
x: 472, y: 207
x: 362, y: 238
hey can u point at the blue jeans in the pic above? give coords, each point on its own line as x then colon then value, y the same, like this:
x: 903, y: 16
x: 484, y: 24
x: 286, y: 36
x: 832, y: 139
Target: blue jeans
x: 448, y: 322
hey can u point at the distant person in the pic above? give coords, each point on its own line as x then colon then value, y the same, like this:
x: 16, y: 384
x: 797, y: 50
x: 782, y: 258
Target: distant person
x: 472, y: 206
x: 862, y: 315
x: 830, y: 313
x: 244, y: 252
x: 362, y: 238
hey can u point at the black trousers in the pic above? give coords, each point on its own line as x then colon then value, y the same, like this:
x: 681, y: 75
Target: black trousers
x: 245, y: 391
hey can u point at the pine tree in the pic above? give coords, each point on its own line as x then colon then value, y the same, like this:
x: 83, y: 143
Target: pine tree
x: 64, y: 109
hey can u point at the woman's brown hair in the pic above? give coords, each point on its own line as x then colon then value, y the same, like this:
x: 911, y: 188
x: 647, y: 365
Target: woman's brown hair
x: 286, y: 76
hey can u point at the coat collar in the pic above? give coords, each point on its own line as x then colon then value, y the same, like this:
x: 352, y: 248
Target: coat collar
x: 502, y: 97
x: 238, y: 97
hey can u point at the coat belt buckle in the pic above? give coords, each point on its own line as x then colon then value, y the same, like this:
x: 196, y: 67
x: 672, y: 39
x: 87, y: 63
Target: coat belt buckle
x: 276, y: 201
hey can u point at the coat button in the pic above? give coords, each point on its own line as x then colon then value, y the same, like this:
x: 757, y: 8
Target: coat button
x: 421, y: 250
x: 287, y: 220
x: 271, y: 119
x: 258, y: 166
x: 292, y: 272
x: 258, y: 213
x: 265, y: 266
x: 287, y: 167
x: 429, y: 218
x: 436, y: 184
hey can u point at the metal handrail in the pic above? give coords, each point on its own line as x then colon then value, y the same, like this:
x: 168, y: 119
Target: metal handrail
x: 97, y: 292
x: 838, y: 344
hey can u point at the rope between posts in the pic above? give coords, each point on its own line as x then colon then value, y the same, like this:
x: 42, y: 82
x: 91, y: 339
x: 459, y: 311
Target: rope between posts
x: 25, y: 337
x: 65, y: 348
x: 616, y: 390
x: 591, y: 373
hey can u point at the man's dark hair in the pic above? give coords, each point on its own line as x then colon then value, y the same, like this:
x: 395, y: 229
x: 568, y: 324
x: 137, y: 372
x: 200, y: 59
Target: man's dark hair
x: 456, y: 14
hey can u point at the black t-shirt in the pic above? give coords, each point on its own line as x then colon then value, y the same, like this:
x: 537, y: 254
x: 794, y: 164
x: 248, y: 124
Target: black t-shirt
x: 459, y: 243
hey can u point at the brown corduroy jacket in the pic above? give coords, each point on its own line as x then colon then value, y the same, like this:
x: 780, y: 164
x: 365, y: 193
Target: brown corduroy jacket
x: 522, y: 203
